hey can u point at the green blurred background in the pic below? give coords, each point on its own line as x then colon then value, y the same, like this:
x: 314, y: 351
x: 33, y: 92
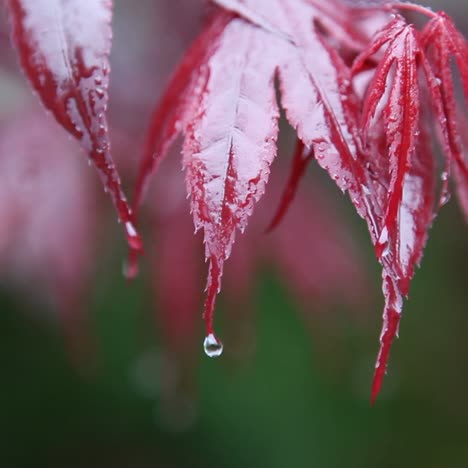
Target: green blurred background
x: 288, y: 405
x: 300, y: 399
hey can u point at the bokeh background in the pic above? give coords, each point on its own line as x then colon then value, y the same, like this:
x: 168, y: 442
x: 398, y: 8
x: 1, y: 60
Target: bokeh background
x: 108, y: 389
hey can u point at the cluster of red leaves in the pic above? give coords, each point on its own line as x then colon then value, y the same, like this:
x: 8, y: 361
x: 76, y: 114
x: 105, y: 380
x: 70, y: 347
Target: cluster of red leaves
x: 363, y: 88
x: 36, y: 254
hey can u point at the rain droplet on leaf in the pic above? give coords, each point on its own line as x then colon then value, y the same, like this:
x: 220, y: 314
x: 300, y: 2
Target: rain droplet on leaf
x: 212, y: 346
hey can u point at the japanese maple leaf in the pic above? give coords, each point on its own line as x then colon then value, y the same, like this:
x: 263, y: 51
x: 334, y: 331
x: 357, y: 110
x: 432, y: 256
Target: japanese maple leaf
x: 35, y: 238
x: 397, y: 128
x: 443, y: 42
x: 64, y: 47
x: 222, y: 98
x: 374, y: 145
x: 329, y: 274
x: 330, y: 270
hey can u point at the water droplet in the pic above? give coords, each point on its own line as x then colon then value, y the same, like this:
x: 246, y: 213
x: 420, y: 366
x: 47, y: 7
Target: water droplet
x: 133, y: 237
x: 445, y: 198
x: 365, y: 190
x: 444, y: 176
x: 212, y: 346
x: 130, y: 229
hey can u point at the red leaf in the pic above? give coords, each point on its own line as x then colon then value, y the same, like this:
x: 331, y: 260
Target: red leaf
x: 392, y: 111
x: 443, y: 41
x: 64, y: 48
x: 401, y: 120
x: 229, y: 117
x: 391, y: 321
x: 301, y: 158
x: 230, y: 144
x: 170, y: 115
x: 377, y: 148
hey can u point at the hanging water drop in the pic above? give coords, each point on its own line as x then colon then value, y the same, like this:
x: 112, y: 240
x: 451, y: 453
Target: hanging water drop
x: 133, y: 237
x: 212, y: 346
x: 445, y: 198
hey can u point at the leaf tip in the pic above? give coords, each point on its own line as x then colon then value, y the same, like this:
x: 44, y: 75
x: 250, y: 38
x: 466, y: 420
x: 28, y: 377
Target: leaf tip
x: 302, y: 156
x: 390, y: 330
x: 130, y: 266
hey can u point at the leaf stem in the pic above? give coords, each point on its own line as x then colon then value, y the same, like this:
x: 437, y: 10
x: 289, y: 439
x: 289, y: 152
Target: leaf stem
x: 408, y: 6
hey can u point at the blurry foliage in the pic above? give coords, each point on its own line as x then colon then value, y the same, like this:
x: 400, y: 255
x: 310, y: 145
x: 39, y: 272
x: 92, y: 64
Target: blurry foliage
x: 290, y: 404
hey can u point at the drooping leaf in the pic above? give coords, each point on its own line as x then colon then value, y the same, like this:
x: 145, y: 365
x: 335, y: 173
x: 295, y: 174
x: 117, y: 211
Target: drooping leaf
x: 391, y: 321
x: 375, y: 145
x: 230, y: 143
x: 64, y: 47
x: 302, y: 156
x: 443, y: 42
x: 170, y: 116
x: 393, y: 95
x: 401, y: 121
x: 229, y: 117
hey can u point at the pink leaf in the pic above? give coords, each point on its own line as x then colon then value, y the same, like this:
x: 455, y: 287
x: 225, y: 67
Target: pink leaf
x: 230, y: 144
x: 64, y: 48
x: 375, y: 145
x: 228, y: 112
x: 391, y: 321
x: 396, y: 130
x: 170, y: 115
x: 443, y: 41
